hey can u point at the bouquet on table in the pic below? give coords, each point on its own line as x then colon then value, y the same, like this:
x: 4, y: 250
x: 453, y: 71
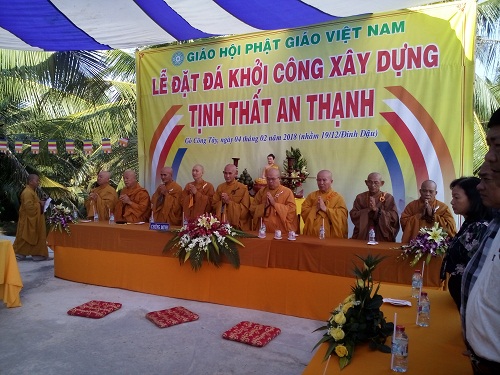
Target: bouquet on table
x: 207, y: 237
x: 430, y: 242
x: 59, y: 218
x: 358, y: 318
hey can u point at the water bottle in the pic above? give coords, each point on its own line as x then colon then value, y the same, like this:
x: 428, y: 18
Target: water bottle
x: 96, y: 216
x: 75, y: 215
x: 424, y: 310
x: 371, y: 235
x: 416, y: 284
x: 399, y: 350
x: 111, y: 218
x: 322, y: 232
x: 262, y: 231
x: 151, y: 218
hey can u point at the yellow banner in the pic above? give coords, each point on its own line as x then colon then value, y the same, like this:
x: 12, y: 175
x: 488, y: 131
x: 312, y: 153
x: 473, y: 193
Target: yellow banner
x: 390, y: 93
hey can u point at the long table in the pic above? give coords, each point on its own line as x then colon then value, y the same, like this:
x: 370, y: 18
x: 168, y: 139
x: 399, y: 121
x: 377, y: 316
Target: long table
x: 281, y: 276
x: 10, y: 278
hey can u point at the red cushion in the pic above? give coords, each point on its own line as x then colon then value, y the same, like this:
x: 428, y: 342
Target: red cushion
x: 95, y: 309
x: 251, y: 333
x: 171, y: 317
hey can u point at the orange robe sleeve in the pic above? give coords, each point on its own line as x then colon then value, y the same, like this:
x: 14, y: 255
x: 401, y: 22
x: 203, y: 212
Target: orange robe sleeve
x: 412, y: 219
x: 282, y: 216
x: 139, y: 209
x: 385, y: 221
x: 167, y: 207
x: 202, y: 200
x: 106, y: 202
x: 334, y: 219
x: 237, y: 211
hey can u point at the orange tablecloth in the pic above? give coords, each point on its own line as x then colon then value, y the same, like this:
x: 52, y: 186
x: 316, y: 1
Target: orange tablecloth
x: 436, y: 349
x: 10, y: 278
x: 330, y: 256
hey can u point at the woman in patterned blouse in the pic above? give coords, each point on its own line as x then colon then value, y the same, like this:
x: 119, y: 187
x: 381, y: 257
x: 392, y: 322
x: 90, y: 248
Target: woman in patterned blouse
x: 466, y: 202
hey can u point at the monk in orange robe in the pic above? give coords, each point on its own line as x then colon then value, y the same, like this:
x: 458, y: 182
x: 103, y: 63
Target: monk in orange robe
x: 197, y: 195
x: 275, y: 204
x: 134, y: 204
x: 231, y: 202
x: 424, y: 212
x: 102, y: 198
x: 167, y: 199
x: 375, y: 209
x: 326, y: 208
x: 31, y: 236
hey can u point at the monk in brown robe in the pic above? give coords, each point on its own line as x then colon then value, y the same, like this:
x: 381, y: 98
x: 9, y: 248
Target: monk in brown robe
x: 197, y: 195
x: 167, y: 199
x: 31, y: 235
x: 375, y: 209
x: 275, y: 204
x: 102, y: 198
x: 231, y: 202
x: 424, y: 212
x: 134, y: 204
x: 326, y: 208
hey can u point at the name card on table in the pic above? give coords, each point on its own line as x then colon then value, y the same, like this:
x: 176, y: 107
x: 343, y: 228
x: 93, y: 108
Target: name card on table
x: 163, y: 227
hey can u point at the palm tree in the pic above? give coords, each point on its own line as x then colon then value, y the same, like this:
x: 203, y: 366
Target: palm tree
x: 65, y: 95
x: 487, y: 80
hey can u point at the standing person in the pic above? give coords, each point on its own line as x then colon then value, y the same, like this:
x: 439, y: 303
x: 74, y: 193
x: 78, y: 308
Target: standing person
x: 134, y: 204
x: 102, y: 198
x: 375, y: 209
x: 465, y: 201
x: 31, y: 234
x: 231, y: 202
x: 197, y: 195
x: 426, y: 211
x: 325, y: 207
x: 275, y: 204
x: 480, y: 310
x: 166, y: 199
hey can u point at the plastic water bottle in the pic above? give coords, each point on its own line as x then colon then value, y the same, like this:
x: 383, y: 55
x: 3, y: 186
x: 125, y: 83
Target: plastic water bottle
x: 262, y: 231
x: 400, y: 350
x: 111, y: 218
x: 416, y: 284
x: 371, y: 235
x: 424, y: 310
x: 75, y: 215
x: 322, y: 232
x: 96, y: 216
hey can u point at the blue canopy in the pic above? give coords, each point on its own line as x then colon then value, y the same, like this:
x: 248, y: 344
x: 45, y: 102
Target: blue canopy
x: 62, y: 25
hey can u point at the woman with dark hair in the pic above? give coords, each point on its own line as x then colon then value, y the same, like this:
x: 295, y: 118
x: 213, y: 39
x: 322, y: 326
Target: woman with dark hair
x: 465, y: 201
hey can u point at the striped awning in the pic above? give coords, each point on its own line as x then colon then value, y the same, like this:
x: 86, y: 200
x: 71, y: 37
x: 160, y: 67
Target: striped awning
x: 63, y: 25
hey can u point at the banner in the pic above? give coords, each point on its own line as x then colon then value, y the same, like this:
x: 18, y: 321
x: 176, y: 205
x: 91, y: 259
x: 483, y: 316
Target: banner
x: 389, y: 93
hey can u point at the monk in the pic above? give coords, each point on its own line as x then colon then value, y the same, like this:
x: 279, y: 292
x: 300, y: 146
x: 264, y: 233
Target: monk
x: 102, y: 198
x: 275, y: 204
x: 167, y: 199
x: 375, y: 209
x: 326, y: 208
x: 197, y: 195
x: 134, y: 204
x: 31, y: 236
x: 231, y: 202
x: 424, y: 212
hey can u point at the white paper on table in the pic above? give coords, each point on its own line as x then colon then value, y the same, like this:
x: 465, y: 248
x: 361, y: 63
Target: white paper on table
x: 46, y: 205
x: 397, y: 302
